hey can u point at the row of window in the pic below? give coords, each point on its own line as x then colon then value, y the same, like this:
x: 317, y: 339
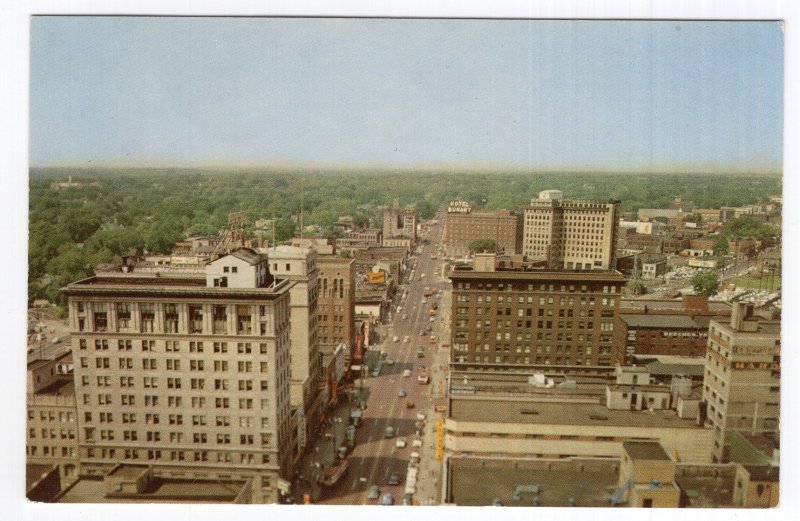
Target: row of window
x: 519, y: 287
x: 176, y: 455
x: 171, y: 346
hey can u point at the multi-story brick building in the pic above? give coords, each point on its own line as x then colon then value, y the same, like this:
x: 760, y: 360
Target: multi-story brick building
x: 567, y: 234
x: 336, y: 302
x: 656, y: 334
x: 741, y: 387
x: 188, y: 373
x: 52, y: 429
x: 526, y: 317
x: 462, y: 225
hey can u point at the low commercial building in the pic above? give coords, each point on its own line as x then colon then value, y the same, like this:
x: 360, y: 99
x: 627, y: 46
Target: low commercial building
x: 502, y: 414
x: 126, y: 483
x: 657, y: 334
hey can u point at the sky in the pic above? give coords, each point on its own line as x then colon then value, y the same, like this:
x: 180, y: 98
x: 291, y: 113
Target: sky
x: 584, y: 95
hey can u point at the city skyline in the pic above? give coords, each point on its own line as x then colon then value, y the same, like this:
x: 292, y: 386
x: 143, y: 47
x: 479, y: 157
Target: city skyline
x: 636, y: 96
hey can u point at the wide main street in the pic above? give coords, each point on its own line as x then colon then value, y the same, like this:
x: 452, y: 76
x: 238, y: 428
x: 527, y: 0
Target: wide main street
x: 395, y: 398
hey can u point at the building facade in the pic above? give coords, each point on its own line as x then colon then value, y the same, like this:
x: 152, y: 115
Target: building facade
x: 189, y: 374
x: 52, y: 428
x: 572, y: 235
x: 741, y: 388
x: 336, y: 303
x: 400, y: 223
x: 300, y: 266
x: 658, y: 334
x: 533, y: 317
x: 462, y: 225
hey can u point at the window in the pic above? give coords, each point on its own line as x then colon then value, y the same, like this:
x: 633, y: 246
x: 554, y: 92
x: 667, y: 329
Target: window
x: 147, y: 314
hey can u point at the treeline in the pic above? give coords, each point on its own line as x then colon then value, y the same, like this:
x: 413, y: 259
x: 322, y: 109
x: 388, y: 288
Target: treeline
x: 119, y: 212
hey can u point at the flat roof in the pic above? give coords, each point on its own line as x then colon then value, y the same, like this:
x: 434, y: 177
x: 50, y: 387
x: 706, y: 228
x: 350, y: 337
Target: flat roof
x: 536, y: 274
x: 661, y: 369
x: 660, y: 321
x: 559, y: 412
x: 589, y: 482
x: 61, y: 387
x: 161, y: 490
x: 763, y: 472
x: 127, y: 471
x: 647, y: 450
x: 147, y: 286
x: 36, y: 364
x: 706, y: 486
x: 655, y: 304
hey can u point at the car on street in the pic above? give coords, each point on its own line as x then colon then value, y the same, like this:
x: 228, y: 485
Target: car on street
x: 394, y: 479
x: 374, y: 492
x: 390, y: 361
x: 401, y: 393
x: 406, y: 339
x: 409, y: 404
x: 387, y: 499
x: 400, y: 443
x: 388, y: 432
x: 407, y: 500
x: 406, y: 373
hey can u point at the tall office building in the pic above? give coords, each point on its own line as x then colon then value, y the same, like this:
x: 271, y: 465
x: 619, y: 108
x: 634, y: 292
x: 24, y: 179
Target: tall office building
x: 521, y: 317
x: 300, y: 265
x: 741, y: 386
x: 186, y: 371
x: 572, y: 235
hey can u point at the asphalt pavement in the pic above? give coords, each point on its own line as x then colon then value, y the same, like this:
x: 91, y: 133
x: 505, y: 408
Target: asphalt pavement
x: 375, y: 457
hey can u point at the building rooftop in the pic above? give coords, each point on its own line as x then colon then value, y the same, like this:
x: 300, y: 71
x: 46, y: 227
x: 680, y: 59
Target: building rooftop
x: 467, y: 272
x: 560, y: 412
x: 35, y: 472
x: 706, y: 486
x: 660, y: 321
x: 133, y: 284
x: 161, y: 490
x: 752, y: 449
x: 61, y: 387
x: 588, y: 482
x: 37, y: 364
x: 627, y: 304
x: 658, y: 368
x: 647, y: 450
x: 763, y: 473
x: 247, y: 255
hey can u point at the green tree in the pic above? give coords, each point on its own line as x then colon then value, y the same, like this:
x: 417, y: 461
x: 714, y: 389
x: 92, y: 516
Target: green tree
x: 721, y: 245
x: 705, y: 283
x: 284, y: 229
x: 483, y: 246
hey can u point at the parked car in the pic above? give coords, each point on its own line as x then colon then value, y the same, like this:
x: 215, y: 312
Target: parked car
x: 400, y: 443
x: 394, y: 479
x: 401, y: 393
x: 374, y: 492
x: 387, y: 499
x: 388, y: 432
x: 390, y: 362
x: 409, y: 404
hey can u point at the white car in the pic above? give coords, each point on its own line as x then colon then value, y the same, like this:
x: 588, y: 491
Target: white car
x: 400, y: 443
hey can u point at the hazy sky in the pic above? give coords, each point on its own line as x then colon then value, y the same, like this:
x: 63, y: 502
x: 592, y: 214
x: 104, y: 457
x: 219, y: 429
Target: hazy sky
x: 545, y: 94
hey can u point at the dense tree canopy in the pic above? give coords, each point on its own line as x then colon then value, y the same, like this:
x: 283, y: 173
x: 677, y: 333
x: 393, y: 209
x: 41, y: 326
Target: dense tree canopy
x: 119, y: 212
